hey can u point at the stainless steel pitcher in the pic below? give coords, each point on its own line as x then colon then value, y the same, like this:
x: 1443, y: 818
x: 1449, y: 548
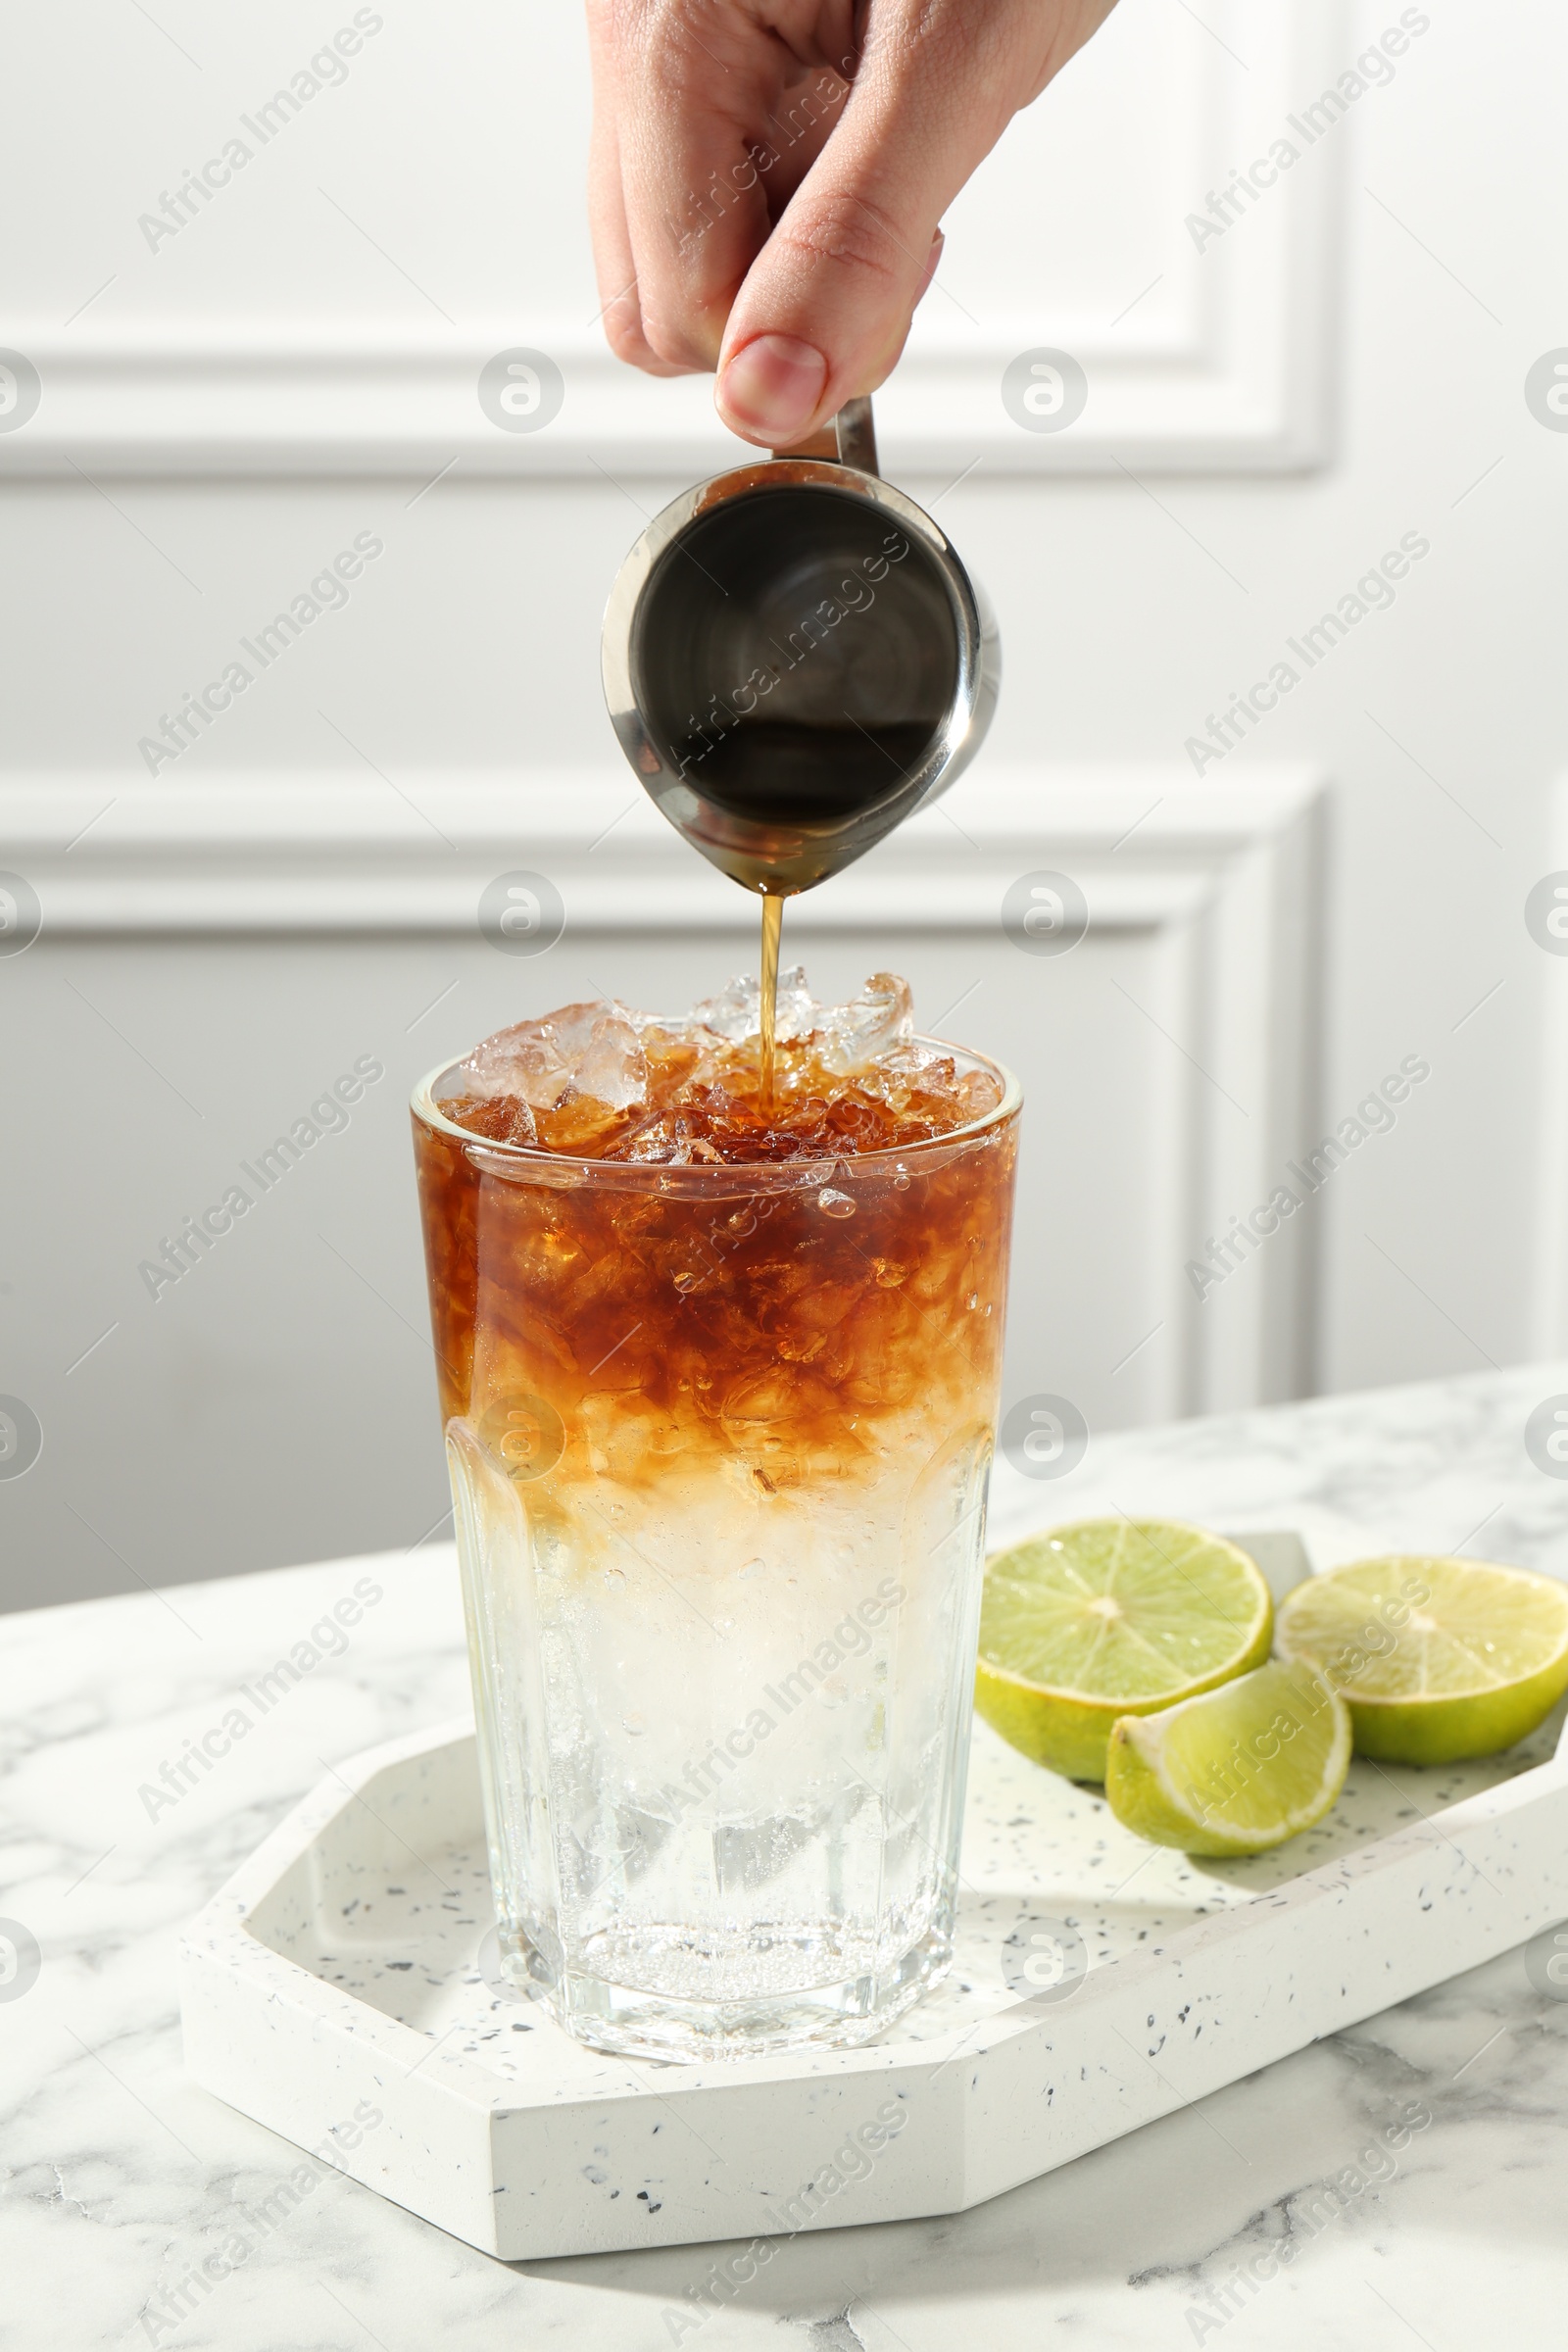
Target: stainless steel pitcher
x: 795, y: 661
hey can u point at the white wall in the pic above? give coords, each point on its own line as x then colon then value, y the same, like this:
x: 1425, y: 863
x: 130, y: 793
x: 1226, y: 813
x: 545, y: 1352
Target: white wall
x: 1344, y: 365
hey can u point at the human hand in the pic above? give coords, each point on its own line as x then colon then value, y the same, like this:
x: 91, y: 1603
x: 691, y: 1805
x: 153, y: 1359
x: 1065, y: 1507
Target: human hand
x: 767, y: 177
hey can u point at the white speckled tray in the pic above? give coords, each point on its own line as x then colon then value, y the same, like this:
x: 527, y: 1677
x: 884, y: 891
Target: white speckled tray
x: 345, y: 1973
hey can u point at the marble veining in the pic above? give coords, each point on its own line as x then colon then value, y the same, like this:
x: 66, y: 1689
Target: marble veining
x: 123, y: 2179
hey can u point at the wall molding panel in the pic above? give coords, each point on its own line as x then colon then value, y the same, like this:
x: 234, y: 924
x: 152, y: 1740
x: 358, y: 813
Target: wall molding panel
x: 1208, y: 360
x: 1550, y: 1318
x: 1213, y: 887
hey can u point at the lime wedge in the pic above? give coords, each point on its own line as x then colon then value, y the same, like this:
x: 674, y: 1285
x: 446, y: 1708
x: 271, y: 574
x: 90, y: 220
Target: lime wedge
x: 1439, y: 1659
x: 1236, y: 1770
x: 1110, y: 1617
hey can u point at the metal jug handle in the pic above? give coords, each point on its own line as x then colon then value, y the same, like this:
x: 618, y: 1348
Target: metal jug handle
x: 847, y: 439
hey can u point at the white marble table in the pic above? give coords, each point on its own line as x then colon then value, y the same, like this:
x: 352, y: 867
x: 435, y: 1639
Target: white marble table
x: 1441, y: 2127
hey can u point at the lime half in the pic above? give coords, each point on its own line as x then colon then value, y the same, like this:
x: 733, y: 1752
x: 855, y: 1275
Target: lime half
x: 1110, y: 1617
x: 1439, y: 1659
x: 1236, y: 1770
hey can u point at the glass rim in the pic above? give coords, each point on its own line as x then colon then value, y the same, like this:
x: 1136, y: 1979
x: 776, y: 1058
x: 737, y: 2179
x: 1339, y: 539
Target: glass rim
x: 709, y: 1175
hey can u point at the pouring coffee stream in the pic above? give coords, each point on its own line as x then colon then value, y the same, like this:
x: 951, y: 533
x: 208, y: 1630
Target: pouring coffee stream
x: 768, y: 990
x: 795, y: 660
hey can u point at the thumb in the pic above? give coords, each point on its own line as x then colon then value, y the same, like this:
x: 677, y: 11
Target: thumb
x: 824, y: 308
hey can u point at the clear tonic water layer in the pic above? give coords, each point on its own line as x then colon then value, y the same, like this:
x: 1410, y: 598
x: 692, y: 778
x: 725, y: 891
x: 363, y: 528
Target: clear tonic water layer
x: 720, y: 1388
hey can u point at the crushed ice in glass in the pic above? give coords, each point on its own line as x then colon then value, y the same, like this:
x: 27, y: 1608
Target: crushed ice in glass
x: 600, y: 1081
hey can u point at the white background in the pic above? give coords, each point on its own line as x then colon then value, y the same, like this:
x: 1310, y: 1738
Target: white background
x: 1266, y: 417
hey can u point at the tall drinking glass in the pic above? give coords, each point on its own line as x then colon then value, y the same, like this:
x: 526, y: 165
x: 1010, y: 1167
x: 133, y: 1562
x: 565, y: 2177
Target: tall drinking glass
x: 718, y: 1438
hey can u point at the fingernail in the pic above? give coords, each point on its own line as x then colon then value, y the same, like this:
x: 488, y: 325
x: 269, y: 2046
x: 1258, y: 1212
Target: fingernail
x: 770, y: 387
x: 932, y: 263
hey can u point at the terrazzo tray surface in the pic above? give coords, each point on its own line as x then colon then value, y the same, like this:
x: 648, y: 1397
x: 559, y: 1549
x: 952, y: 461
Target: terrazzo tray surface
x: 349, y: 1970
